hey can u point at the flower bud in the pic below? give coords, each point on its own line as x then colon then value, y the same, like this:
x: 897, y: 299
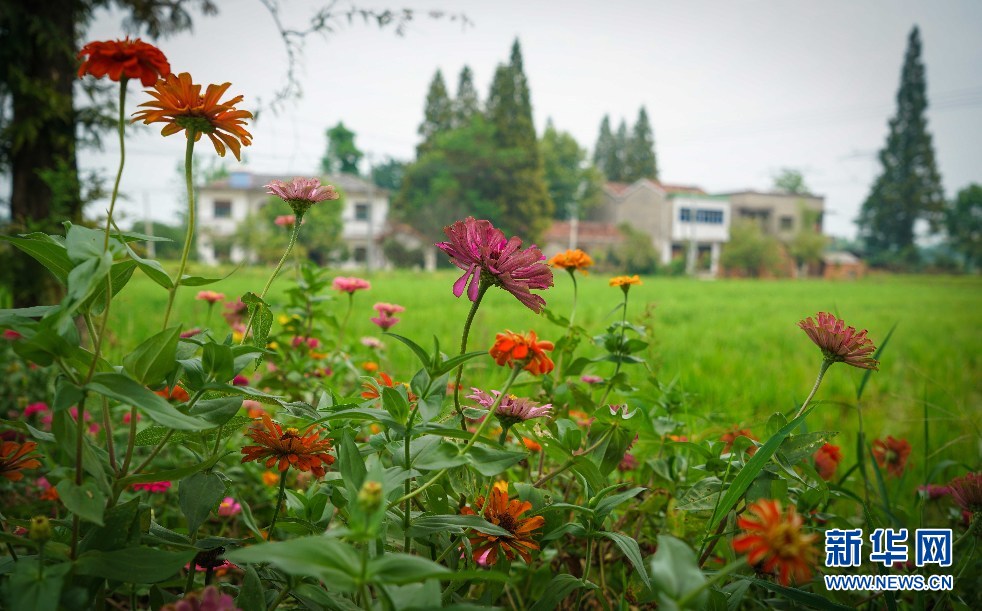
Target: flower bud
x: 40, y: 529
x: 370, y: 496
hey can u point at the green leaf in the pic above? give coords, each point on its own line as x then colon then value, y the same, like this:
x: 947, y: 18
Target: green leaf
x: 350, y: 463
x: 261, y: 316
x: 702, y: 496
x: 454, y: 524
x: 811, y: 601
x: 133, y: 564
x: 454, y: 362
x: 153, y: 360
x: 558, y: 589
x: 396, y: 403
x: 675, y: 572
x: 120, y: 273
x: 607, y: 504
x: 35, y: 586
x: 219, y: 411
x: 85, y: 501
x: 421, y: 354
x: 490, y: 462
x: 122, y: 527
x: 397, y: 569
x: 46, y: 251
x: 217, y: 362
x: 876, y: 355
x: 127, y: 390
x: 319, y: 557
x: 170, y: 474
x: 198, y: 495
x: 629, y: 547
x: 187, y: 280
x: 251, y: 597
x: 151, y: 268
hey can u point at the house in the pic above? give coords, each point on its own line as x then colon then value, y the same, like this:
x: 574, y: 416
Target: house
x: 591, y: 236
x: 225, y: 203
x: 779, y: 214
x: 842, y: 265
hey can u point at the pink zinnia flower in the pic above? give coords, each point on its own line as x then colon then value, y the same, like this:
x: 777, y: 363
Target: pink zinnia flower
x: 488, y: 258
x: 512, y: 409
x: 967, y: 491
x: 301, y: 193
x: 628, y: 462
x: 235, y: 312
x: 127, y: 417
x: 839, y: 343
x: 350, y: 284
x: 384, y: 321
x: 210, y: 296
x: 240, y: 380
x: 286, y: 220
x: 154, y: 487
x: 229, y: 507
x: 190, y: 333
x: 310, y: 342
x: 372, y: 342
x: 11, y: 335
x: 589, y: 379
x: 209, y: 599
x: 388, y: 308
x: 35, y: 408
x: 934, y: 492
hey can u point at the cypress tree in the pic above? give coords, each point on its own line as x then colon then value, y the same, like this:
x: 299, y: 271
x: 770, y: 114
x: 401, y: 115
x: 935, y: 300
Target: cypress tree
x: 438, y: 115
x: 466, y: 104
x: 615, y: 159
x: 605, y: 152
x: 909, y: 186
x: 639, y: 154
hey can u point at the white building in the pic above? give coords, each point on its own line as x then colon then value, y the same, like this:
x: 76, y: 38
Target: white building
x: 700, y: 227
x: 225, y: 203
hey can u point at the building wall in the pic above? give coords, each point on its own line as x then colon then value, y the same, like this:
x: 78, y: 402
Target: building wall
x: 784, y: 211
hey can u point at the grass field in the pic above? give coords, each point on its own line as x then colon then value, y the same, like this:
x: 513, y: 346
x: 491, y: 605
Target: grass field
x: 732, y: 344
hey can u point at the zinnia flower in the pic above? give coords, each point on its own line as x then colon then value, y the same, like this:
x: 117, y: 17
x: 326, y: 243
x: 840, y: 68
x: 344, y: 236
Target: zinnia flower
x: 506, y: 514
x: 372, y: 342
x: 35, y: 408
x: 776, y: 542
x: 350, y: 284
x: 934, y: 492
x: 628, y: 462
x: 510, y: 348
x: 210, y: 296
x: 730, y: 436
x: 827, y: 460
x: 14, y: 458
x: 531, y: 445
x: 840, y: 344
x: 967, y: 491
x: 178, y: 103
x: 512, y: 409
x: 307, y: 452
x: 235, y: 312
x: 572, y: 260
x: 209, y: 599
x: 286, y: 220
x: 11, y: 335
x: 229, y: 507
x: 488, y: 258
x: 625, y: 282
x: 385, y: 318
x: 891, y: 454
x: 175, y: 394
x: 153, y: 487
x: 591, y: 379
x: 123, y: 58
x: 301, y: 193
x: 270, y: 478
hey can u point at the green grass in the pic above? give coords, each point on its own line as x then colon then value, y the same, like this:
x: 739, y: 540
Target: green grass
x: 733, y: 344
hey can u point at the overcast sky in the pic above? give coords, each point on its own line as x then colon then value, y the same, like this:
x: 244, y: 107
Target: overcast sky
x: 734, y: 90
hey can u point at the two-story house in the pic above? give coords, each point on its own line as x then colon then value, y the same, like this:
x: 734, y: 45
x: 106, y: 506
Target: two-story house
x: 225, y: 203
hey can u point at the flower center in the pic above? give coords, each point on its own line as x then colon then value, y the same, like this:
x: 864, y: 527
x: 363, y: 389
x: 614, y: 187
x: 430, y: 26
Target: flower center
x: 195, y: 123
x: 290, y: 433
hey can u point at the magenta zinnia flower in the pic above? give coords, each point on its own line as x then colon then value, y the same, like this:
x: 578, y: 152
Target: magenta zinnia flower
x: 350, y: 285
x: 229, y: 507
x: 839, y: 343
x: 301, y: 193
x: 487, y: 257
x: 512, y: 409
x: 153, y: 487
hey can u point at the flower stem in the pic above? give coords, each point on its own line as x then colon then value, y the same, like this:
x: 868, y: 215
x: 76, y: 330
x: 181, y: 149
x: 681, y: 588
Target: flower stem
x: 79, y: 468
x: 189, y: 236
x: 620, y: 347
x: 482, y: 289
x: 344, y: 323
x: 818, y: 381
x: 276, y: 510
x: 276, y: 271
x: 122, y: 158
x: 569, y: 327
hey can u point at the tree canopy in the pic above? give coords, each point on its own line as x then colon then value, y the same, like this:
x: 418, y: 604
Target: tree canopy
x: 342, y: 154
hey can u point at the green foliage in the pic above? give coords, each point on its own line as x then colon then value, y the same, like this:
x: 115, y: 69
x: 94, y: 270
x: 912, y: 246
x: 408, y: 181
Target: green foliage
x: 438, y: 114
x: 909, y: 185
x: 388, y: 174
x: 574, y: 185
x: 790, y: 180
x: 319, y: 240
x: 639, y: 154
x: 635, y: 254
x: 342, y: 156
x: 750, y: 252
x: 467, y: 104
x: 963, y: 221
x: 808, y: 244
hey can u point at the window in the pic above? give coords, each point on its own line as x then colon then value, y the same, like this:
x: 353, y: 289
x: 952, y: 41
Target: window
x: 223, y: 209
x: 360, y: 254
x: 713, y: 217
x: 685, y: 215
x: 787, y: 223
x: 363, y: 211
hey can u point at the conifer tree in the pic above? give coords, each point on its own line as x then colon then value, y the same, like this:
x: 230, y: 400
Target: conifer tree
x: 438, y: 114
x: 605, y: 151
x: 467, y: 103
x: 909, y: 186
x: 639, y: 154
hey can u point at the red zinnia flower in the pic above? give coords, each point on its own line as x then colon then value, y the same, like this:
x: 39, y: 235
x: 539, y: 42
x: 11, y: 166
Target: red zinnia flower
x: 504, y: 513
x: 178, y: 103
x: 307, y: 452
x: 967, y: 491
x: 827, y: 460
x: 891, y: 454
x: 510, y: 348
x: 487, y: 257
x: 119, y: 58
x: 839, y: 343
x: 176, y: 394
x: 776, y: 542
x: 13, y: 459
x: 730, y: 436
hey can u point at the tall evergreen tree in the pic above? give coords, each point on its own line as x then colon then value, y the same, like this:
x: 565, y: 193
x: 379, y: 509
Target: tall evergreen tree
x: 467, y: 103
x: 639, y: 154
x: 342, y: 154
x: 522, y: 196
x: 605, y: 151
x: 615, y: 159
x: 909, y: 186
x: 438, y: 114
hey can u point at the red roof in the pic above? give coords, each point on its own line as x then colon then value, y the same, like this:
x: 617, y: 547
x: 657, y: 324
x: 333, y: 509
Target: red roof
x: 587, y: 232
x: 620, y: 188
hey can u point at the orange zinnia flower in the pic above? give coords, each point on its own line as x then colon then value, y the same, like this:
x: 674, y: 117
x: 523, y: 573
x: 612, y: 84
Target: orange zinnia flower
x: 119, y: 58
x: 307, y: 452
x: 510, y: 348
x: 776, y: 542
x: 13, y: 458
x: 730, y: 436
x: 827, y: 460
x: 178, y: 103
x: 891, y: 454
x: 270, y: 478
x: 374, y: 390
x: 572, y: 260
x: 839, y: 343
x: 176, y: 394
x: 625, y: 282
x: 532, y: 445
x: 504, y: 513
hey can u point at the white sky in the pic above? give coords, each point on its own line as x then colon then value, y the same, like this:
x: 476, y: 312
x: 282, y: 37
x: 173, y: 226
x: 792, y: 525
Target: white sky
x: 734, y: 90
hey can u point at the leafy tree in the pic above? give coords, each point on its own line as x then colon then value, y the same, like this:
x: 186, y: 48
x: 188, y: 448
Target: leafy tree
x: 807, y: 245
x: 639, y: 151
x: 909, y: 186
x: 320, y: 242
x: 467, y: 103
x: 790, y: 180
x: 605, y: 153
x: 573, y: 183
x: 438, y: 114
x: 963, y: 221
x: 635, y: 254
x: 388, y: 174
x: 750, y: 251
x: 525, y: 206
x: 342, y: 155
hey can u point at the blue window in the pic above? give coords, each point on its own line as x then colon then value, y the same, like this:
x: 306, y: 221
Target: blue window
x: 714, y: 217
x: 685, y: 214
